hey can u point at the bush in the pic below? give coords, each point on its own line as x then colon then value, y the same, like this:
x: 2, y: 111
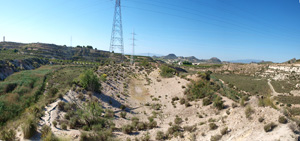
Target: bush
x: 269, y: 127
x: 282, y: 120
x: 109, y: 114
x: 187, y: 104
x: 64, y: 126
x: 218, y: 103
x: 190, y: 128
x: 152, y: 124
x: 10, y: 87
x: 206, y: 101
x: 8, y: 135
x: 261, y: 119
x: 248, y: 112
x: 234, y: 105
x: 182, y: 101
x: 29, y: 128
x: 141, y: 126
x: 123, y: 114
x: 61, y: 105
x: 122, y: 107
x: 212, y: 126
x: 54, y: 123
x: 173, y: 129
x: 160, y: 135
x: 146, y: 137
x: 53, y: 91
x: 224, y: 131
x: 178, y: 120
x: 50, y: 137
x: 127, y: 129
x: 175, y: 98
x: 215, y: 138
x: 89, y: 81
x: 45, y: 130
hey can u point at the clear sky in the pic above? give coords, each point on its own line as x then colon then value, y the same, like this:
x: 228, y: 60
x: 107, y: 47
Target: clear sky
x: 227, y: 29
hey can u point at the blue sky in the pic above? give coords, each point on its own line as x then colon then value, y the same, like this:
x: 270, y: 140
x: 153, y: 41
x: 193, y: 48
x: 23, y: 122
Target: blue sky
x: 227, y: 29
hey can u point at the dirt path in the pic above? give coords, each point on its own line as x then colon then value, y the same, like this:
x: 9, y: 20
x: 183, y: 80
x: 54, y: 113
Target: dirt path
x: 274, y: 93
x: 53, y: 114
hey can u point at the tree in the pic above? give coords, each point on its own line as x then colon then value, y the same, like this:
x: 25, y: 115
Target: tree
x: 89, y: 47
x: 89, y: 81
x: 186, y: 63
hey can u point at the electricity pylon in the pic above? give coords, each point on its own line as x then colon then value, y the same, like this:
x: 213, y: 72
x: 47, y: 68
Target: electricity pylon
x: 133, y: 39
x: 117, y: 30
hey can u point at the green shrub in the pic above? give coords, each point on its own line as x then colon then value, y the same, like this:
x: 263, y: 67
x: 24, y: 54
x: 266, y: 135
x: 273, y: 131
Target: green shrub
x: 211, y: 120
x: 127, y: 129
x: 64, y: 126
x: 282, y: 120
x: 206, y: 101
x: 152, y: 124
x: 61, y: 105
x: 45, y: 130
x: 178, y: 120
x: 218, y: 103
x: 60, y: 96
x: 109, y: 114
x: 269, y: 127
x: 123, y: 114
x: 160, y: 135
x: 89, y: 81
x: 224, y: 131
x: 10, y: 87
x: 53, y: 91
x: 54, y: 123
x: 190, y: 128
x: 216, y: 138
x: 248, y: 112
x: 146, y: 137
x: 173, y: 129
x: 187, y: 104
x: 175, y: 98
x: 29, y: 128
x: 212, y: 126
x: 9, y: 135
x: 50, y: 137
x: 166, y: 71
x: 182, y: 101
x: 141, y: 126
x: 261, y: 119
x: 122, y: 107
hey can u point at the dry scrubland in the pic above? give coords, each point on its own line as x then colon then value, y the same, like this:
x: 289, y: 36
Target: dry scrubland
x: 152, y: 101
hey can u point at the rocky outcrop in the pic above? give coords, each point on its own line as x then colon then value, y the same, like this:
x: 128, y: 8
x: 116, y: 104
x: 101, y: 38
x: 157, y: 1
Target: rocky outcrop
x: 8, y: 67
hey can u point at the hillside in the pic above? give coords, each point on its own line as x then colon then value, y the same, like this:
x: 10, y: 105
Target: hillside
x: 52, y: 51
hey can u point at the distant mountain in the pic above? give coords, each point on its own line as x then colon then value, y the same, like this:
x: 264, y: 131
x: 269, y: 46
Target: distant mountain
x: 170, y: 56
x: 193, y: 59
x: 150, y: 54
x: 246, y: 61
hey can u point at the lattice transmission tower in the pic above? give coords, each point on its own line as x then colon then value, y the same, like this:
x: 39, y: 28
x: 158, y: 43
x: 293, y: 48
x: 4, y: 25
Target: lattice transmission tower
x: 133, y: 45
x: 117, y: 30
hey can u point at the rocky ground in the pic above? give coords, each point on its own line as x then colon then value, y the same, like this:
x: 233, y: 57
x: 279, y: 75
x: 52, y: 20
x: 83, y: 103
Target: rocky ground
x: 146, y: 89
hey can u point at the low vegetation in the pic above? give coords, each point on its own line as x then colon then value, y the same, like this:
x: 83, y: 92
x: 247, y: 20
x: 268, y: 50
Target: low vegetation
x: 288, y: 99
x: 166, y: 71
x: 246, y: 83
x: 283, y: 86
x: 269, y: 127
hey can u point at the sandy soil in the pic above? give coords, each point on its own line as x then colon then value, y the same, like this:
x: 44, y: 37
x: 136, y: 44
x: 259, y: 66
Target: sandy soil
x: 161, y: 91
